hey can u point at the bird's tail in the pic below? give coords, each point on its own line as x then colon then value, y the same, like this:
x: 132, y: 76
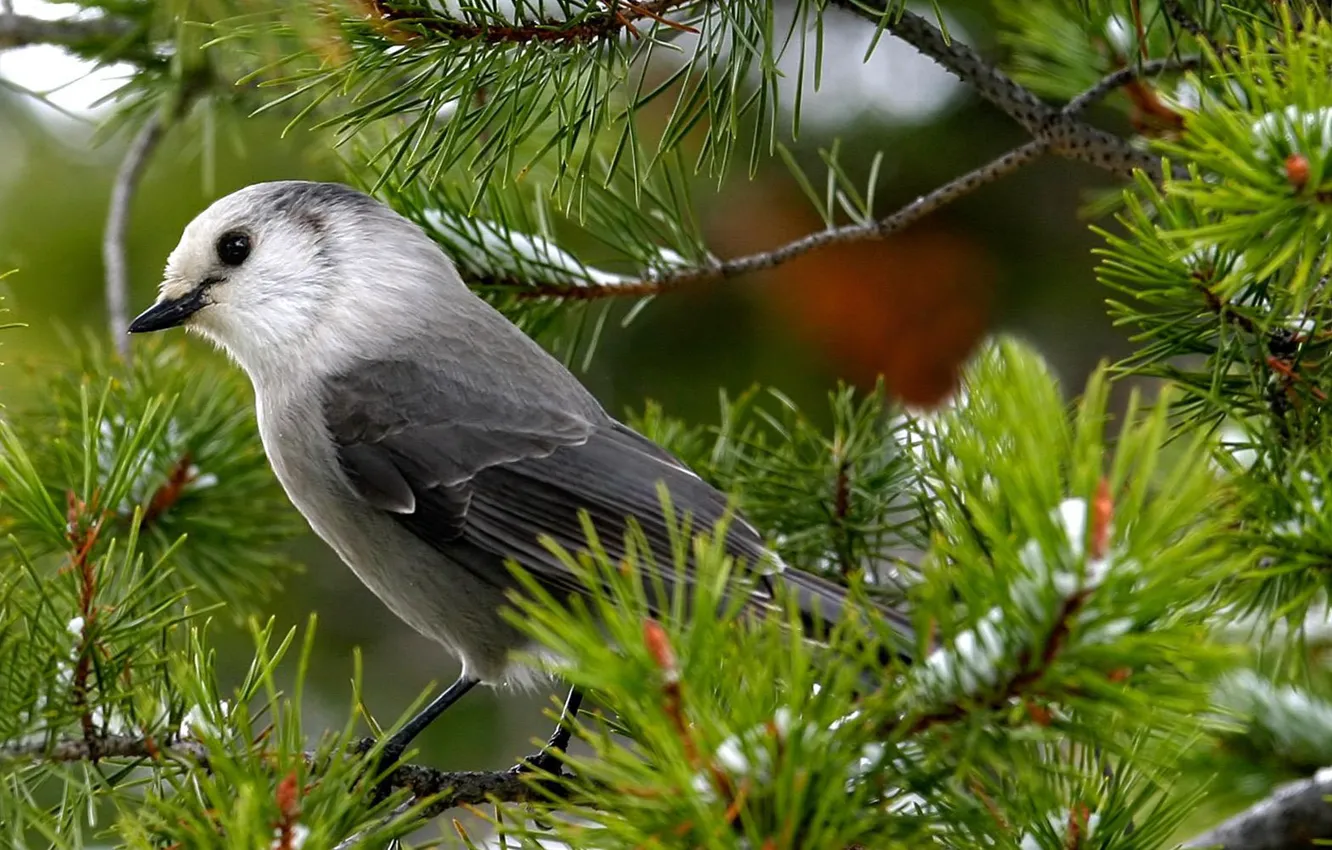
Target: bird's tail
x: 822, y: 603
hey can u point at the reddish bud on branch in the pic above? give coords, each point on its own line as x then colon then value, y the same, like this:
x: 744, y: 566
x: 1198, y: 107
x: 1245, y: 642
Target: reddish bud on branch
x: 1297, y: 171
x: 1102, y: 511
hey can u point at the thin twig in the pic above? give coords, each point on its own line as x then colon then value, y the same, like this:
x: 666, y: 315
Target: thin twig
x: 907, y: 215
x: 23, y: 30
x: 182, y: 473
x: 117, y: 224
x: 904, y: 217
x: 1296, y: 815
x: 992, y: 84
x: 447, y: 789
x: 1064, y: 135
x: 1124, y: 76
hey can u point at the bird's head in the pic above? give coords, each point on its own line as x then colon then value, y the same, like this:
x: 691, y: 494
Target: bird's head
x: 277, y: 270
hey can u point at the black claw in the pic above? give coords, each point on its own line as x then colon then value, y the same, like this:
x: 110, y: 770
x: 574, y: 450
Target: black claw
x: 382, y: 768
x: 545, y: 761
x: 548, y: 760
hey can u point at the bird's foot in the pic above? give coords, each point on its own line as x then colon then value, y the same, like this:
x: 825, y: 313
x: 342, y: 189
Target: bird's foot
x: 380, y: 770
x: 546, y: 761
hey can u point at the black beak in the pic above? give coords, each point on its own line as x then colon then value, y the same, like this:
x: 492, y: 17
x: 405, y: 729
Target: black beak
x: 169, y: 314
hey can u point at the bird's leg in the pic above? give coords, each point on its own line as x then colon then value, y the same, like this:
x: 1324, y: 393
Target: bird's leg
x: 546, y: 760
x: 397, y: 745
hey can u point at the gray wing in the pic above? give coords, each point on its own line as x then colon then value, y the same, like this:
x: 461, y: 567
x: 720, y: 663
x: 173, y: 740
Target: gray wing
x: 459, y: 463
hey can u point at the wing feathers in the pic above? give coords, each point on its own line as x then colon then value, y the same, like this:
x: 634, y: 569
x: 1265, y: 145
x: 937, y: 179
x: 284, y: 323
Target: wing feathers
x: 375, y: 476
x: 457, y: 467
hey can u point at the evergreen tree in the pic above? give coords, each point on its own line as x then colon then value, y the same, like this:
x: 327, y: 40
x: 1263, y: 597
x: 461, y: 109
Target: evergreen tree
x: 1122, y: 619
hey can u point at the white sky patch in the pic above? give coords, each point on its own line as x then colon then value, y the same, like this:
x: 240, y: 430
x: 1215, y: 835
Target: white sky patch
x: 71, y: 83
x: 895, y: 84
x: 1259, y: 628
x: 196, y: 721
x: 1119, y: 33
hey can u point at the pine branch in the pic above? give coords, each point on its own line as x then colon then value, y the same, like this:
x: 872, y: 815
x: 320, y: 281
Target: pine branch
x: 1297, y: 815
x: 1033, y: 666
x: 1064, y: 135
x: 446, y: 789
x: 22, y: 30
x: 1125, y: 76
x: 110, y: 746
x: 899, y: 220
x: 619, y: 17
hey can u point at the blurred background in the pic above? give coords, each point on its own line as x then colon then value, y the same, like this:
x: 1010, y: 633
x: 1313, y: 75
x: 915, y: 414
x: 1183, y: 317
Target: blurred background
x: 1014, y: 257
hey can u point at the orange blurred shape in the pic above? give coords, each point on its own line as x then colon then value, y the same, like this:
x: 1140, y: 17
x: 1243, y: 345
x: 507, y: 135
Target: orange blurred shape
x: 911, y: 307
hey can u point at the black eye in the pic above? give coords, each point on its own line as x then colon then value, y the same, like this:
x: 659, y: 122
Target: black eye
x: 233, y: 248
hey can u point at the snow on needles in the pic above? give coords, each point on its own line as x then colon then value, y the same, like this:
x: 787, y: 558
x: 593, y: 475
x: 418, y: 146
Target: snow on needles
x: 750, y: 754
x: 1292, y: 130
x: 981, y: 656
x: 485, y: 249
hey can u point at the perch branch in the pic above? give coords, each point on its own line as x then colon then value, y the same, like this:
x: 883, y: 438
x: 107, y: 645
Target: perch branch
x: 878, y: 229
x: 1297, y: 815
x: 117, y: 224
x: 454, y: 788
x: 23, y: 30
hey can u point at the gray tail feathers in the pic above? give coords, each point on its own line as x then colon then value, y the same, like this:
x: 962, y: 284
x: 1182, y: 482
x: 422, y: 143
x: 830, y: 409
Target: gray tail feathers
x: 822, y: 603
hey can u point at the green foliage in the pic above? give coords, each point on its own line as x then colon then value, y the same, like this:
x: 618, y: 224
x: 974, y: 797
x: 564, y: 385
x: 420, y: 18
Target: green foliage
x: 1072, y: 569
x: 1224, y: 277
x: 190, y: 465
x: 1062, y: 47
x: 496, y: 89
x: 1040, y: 613
x: 264, y: 783
x: 833, y: 501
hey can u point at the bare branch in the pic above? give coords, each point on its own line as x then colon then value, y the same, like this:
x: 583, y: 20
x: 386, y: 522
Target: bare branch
x: 117, y: 224
x: 1124, y: 76
x: 1016, y: 100
x: 110, y: 746
x: 904, y: 217
x: 22, y: 30
x: 899, y: 220
x: 454, y: 788
x: 1297, y: 815
x: 1064, y: 135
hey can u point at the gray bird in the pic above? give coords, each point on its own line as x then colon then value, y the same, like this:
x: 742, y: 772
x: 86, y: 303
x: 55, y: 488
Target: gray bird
x: 424, y: 437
